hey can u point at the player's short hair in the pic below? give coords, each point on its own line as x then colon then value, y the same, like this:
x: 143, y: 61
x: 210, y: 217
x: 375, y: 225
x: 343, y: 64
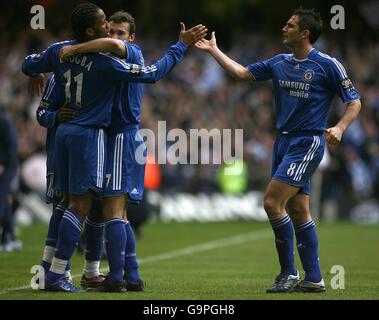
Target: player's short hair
x: 83, y: 17
x: 309, y: 19
x: 123, y: 16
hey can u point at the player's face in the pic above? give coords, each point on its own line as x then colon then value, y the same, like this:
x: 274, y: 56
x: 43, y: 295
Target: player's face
x: 121, y: 31
x: 101, y: 27
x: 291, y: 32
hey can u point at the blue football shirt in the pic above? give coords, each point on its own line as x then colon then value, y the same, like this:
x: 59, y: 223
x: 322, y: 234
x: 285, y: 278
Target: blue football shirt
x: 128, y: 99
x: 89, y: 81
x: 304, y: 89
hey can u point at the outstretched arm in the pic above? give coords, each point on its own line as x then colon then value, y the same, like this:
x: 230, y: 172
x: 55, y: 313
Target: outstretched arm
x: 334, y: 134
x: 150, y: 74
x: 236, y: 70
x: 117, y: 47
x: 98, y: 45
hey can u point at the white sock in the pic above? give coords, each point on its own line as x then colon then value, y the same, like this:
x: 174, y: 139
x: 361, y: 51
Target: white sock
x: 48, y: 254
x: 58, y: 265
x: 91, y: 268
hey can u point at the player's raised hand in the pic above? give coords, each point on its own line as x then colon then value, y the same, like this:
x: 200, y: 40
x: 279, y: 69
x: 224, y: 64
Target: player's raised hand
x: 207, y: 45
x: 36, y: 85
x: 66, y: 52
x: 191, y: 36
x: 65, y: 113
x: 333, y: 135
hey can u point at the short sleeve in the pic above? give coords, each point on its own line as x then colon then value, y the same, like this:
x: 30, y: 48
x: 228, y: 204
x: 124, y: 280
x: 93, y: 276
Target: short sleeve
x: 136, y: 55
x: 262, y: 70
x: 341, y: 83
x: 39, y: 63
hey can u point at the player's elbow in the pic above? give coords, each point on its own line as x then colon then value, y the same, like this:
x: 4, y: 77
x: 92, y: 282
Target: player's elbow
x: 359, y: 105
x: 29, y: 68
x: 118, y: 48
x: 356, y: 105
x: 243, y: 74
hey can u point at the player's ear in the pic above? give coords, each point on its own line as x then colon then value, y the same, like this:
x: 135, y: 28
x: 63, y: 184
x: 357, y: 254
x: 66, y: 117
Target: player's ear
x: 132, y: 37
x: 305, y: 34
x: 90, y: 32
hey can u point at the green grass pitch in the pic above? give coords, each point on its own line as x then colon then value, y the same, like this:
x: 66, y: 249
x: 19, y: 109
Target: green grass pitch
x: 212, y: 261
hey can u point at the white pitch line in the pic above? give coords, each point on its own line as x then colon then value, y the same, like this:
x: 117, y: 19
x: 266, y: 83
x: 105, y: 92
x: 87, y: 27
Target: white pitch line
x: 208, y: 246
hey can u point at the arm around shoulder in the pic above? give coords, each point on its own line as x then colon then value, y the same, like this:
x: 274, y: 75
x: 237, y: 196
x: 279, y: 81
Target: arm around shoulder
x: 115, y: 46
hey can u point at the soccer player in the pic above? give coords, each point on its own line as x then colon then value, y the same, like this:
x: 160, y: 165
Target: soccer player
x: 89, y: 83
x: 305, y: 83
x: 49, y: 115
x: 125, y: 176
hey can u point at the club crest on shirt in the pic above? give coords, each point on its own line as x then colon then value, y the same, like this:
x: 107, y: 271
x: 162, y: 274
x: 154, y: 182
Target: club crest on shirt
x: 135, y: 68
x: 36, y: 56
x: 309, y: 75
x: 346, y: 83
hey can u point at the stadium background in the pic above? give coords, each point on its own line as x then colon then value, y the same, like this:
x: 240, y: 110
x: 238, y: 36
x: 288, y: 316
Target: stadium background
x: 198, y: 94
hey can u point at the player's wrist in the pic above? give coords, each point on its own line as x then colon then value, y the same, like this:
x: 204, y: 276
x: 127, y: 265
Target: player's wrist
x: 214, y: 49
x: 182, y: 45
x: 341, y: 127
x: 75, y: 49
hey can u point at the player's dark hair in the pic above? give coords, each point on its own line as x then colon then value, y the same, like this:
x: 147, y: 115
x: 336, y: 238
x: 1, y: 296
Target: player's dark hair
x: 83, y: 17
x: 309, y: 19
x: 123, y: 16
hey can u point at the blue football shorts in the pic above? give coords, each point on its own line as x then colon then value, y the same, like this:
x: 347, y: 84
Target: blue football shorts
x: 125, y: 168
x: 80, y: 157
x: 296, y: 158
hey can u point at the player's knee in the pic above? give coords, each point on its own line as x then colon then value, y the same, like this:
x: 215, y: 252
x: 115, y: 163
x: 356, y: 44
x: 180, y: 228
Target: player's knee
x: 81, y: 208
x: 81, y: 204
x: 113, y: 214
x: 299, y: 214
x: 299, y: 217
x: 271, y: 207
x: 113, y: 208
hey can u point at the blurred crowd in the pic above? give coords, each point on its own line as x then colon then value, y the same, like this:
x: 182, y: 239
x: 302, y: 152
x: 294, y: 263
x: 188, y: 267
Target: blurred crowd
x: 198, y: 94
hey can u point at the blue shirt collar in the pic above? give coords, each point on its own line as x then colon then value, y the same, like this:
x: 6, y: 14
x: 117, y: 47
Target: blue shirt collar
x: 311, y: 54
